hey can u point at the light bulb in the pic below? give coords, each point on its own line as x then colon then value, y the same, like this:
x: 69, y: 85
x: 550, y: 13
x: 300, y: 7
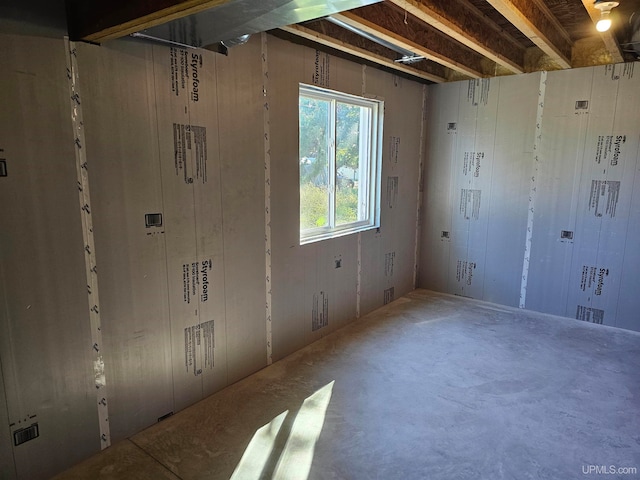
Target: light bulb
x: 603, y: 24
x: 605, y: 7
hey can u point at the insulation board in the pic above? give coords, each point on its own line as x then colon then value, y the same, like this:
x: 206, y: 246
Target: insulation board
x: 45, y: 338
x: 572, y: 146
x: 311, y: 295
x: 241, y: 187
x: 589, y: 158
x: 123, y: 153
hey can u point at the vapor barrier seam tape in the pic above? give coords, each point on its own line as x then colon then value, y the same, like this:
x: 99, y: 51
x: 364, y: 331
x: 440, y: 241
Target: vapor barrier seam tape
x: 533, y: 190
x: 416, y: 253
x: 359, y: 253
x: 359, y: 276
x: 267, y: 193
x: 89, y: 244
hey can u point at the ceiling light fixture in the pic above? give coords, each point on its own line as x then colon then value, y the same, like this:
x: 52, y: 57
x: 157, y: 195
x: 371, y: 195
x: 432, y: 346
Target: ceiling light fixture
x: 605, y: 10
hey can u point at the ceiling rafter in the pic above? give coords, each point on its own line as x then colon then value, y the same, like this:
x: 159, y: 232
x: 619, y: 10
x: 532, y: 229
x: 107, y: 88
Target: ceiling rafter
x: 392, y: 25
x: 463, y: 22
x: 458, y: 38
x: 536, y: 21
x: 370, y: 53
x: 99, y: 21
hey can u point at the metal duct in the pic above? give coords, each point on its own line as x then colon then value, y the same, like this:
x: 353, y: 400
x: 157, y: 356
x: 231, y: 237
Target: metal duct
x: 234, y: 42
x: 408, y: 56
x: 163, y: 41
x: 236, y: 18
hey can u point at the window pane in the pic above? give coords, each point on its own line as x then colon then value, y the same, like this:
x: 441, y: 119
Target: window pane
x: 339, y: 163
x: 315, y: 131
x: 350, y: 162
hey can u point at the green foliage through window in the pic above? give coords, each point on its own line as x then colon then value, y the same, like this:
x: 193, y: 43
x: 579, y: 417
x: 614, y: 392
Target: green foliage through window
x: 339, y: 168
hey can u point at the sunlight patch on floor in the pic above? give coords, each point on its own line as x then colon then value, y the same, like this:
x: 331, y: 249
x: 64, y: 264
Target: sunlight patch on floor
x: 294, y: 463
x: 257, y: 454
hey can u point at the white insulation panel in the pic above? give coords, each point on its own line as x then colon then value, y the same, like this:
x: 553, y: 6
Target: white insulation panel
x: 122, y: 150
x: 155, y: 136
x: 589, y: 162
x: 531, y: 195
x: 46, y: 351
x: 479, y: 153
x: 241, y: 152
x: 307, y: 283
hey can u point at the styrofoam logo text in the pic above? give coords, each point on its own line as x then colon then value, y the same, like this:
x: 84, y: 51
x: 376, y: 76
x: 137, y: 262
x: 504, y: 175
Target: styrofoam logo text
x: 616, y: 148
x: 601, y: 274
x: 196, y: 61
x: 206, y: 267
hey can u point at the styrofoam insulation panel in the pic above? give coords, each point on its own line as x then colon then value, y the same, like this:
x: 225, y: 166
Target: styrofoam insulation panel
x: 563, y: 166
x: 169, y: 336
x: 306, y: 282
x: 45, y: 338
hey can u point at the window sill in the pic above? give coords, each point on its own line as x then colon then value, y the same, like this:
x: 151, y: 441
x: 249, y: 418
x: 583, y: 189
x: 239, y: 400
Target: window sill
x: 334, y: 233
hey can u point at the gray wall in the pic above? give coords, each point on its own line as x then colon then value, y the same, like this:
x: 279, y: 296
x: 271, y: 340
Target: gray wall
x: 148, y: 145
x: 45, y: 338
x: 306, y: 274
x: 557, y: 152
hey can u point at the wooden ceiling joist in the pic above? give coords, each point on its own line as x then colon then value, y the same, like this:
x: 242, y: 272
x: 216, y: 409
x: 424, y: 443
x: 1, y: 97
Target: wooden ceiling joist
x: 466, y: 24
x: 98, y: 21
x: 372, y: 53
x: 391, y: 25
x: 535, y: 20
x: 609, y: 39
x: 459, y: 38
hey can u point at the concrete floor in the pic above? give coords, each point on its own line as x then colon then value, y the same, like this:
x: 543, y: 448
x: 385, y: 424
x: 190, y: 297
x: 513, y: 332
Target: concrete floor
x: 430, y: 386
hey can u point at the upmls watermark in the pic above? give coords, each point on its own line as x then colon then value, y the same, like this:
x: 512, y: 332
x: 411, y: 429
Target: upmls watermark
x: 608, y: 470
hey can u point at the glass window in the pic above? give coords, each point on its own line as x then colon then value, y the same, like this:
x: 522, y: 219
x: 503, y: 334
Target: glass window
x: 340, y: 148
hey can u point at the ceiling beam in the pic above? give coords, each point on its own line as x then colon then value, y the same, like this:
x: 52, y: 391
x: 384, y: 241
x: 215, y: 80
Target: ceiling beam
x: 609, y: 39
x: 535, y: 20
x: 466, y: 24
x: 391, y: 25
x: 371, y: 52
x: 101, y: 20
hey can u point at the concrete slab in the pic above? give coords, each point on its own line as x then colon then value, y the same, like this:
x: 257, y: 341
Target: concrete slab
x: 122, y: 460
x: 430, y: 386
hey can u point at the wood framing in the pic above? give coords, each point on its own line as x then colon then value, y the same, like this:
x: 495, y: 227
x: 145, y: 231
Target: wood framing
x: 373, y: 53
x: 463, y: 37
x: 406, y: 31
x: 98, y: 21
x: 535, y: 20
x: 466, y: 24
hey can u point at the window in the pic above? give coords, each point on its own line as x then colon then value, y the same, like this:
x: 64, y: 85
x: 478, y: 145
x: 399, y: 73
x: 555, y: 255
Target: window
x: 340, y: 150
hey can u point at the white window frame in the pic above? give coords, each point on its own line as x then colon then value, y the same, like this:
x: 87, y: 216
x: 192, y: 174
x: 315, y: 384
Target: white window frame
x: 369, y: 199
